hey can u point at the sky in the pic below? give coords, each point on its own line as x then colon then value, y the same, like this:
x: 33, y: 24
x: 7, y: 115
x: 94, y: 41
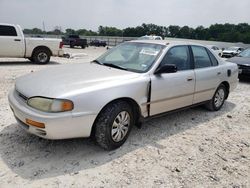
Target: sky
x: 90, y: 14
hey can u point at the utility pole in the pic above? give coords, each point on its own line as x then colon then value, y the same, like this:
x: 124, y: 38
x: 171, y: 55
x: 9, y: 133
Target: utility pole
x: 43, y: 26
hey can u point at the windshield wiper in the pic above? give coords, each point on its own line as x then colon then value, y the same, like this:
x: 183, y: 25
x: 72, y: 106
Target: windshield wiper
x: 114, y: 66
x: 96, y: 61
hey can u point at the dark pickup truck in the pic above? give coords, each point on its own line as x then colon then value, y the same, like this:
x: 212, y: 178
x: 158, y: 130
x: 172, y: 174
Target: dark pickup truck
x: 74, y: 40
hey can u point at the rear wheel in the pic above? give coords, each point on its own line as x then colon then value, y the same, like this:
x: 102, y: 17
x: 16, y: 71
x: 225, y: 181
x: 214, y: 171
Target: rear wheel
x: 41, y: 56
x: 113, y: 125
x: 218, y: 99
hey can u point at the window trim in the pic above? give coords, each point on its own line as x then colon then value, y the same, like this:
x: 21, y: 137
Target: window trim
x: 209, y: 54
x: 188, y: 53
x: 10, y: 26
x: 194, y: 59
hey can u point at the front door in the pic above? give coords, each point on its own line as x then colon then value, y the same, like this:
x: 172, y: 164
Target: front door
x: 11, y: 45
x: 171, y: 91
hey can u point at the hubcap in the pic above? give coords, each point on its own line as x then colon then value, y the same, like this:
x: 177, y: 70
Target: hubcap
x: 219, y: 98
x: 42, y: 57
x: 120, y: 126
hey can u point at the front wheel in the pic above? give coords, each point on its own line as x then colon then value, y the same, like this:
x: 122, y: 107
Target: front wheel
x: 218, y: 99
x: 113, y: 125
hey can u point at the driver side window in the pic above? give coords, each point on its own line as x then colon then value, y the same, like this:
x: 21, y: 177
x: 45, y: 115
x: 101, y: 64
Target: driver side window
x: 178, y: 56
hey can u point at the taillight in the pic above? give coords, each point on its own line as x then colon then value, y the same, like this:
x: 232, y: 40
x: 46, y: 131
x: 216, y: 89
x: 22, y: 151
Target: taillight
x: 61, y: 45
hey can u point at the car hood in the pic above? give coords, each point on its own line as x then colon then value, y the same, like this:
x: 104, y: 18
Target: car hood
x: 240, y: 60
x: 61, y: 81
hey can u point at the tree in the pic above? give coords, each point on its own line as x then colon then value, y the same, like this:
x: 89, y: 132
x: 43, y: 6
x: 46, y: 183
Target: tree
x: 218, y: 32
x: 173, y: 30
x: 70, y: 31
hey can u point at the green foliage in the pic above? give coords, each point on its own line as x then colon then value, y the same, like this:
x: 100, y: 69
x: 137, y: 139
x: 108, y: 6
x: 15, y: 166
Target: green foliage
x: 109, y: 31
x: 218, y: 32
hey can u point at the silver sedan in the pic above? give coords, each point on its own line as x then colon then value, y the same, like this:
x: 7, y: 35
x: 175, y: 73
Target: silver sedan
x: 132, y: 82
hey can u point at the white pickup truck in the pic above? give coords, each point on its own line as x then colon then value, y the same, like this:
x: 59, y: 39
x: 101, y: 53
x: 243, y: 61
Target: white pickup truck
x: 38, y: 50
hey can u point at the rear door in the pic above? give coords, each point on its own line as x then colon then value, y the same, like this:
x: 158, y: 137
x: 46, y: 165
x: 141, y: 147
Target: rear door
x: 173, y: 90
x: 11, y: 45
x: 207, y: 73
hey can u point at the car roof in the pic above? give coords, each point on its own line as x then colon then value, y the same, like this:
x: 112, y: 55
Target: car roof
x: 166, y: 42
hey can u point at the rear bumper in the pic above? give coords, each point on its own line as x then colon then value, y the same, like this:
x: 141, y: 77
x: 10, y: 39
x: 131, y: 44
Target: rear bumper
x: 60, y: 53
x: 57, y: 125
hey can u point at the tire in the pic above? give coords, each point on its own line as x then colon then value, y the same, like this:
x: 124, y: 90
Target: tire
x: 218, y: 99
x: 113, y: 125
x: 41, y: 56
x: 83, y: 47
x: 71, y: 45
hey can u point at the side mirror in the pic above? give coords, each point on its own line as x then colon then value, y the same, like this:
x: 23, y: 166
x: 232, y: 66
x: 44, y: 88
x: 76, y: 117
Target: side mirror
x: 167, y: 68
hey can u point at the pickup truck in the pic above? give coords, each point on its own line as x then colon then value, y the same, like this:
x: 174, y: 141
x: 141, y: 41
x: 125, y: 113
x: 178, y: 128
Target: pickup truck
x: 74, y: 40
x: 13, y: 44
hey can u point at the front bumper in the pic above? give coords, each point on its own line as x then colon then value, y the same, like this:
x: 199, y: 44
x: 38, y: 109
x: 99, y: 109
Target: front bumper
x: 57, y: 125
x: 244, y: 70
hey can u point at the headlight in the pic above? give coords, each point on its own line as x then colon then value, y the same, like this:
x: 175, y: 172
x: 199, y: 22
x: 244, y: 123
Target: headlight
x: 50, y: 105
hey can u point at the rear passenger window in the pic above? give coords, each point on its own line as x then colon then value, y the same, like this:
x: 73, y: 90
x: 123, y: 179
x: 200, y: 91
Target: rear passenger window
x: 201, y: 57
x: 178, y: 56
x: 7, y: 31
x: 213, y: 59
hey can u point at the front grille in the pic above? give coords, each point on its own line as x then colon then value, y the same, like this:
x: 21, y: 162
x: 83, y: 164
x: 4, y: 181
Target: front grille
x: 22, y: 96
x: 243, y: 67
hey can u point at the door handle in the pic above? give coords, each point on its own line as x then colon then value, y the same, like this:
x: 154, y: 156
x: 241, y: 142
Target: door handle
x: 17, y: 40
x: 218, y: 73
x: 189, y: 79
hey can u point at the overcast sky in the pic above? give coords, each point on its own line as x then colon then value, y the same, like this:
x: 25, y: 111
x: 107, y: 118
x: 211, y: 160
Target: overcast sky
x: 90, y: 14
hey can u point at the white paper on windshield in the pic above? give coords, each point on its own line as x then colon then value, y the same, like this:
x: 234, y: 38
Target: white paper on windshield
x: 149, y: 52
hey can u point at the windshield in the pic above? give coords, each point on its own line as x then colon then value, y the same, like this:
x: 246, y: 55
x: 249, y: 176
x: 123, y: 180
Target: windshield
x: 245, y: 53
x: 132, y: 56
x: 233, y: 48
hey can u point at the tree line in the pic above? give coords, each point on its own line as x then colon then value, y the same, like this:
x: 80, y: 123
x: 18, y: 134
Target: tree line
x: 216, y: 32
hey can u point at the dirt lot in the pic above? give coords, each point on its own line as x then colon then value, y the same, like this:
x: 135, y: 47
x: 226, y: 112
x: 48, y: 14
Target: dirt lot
x: 192, y: 148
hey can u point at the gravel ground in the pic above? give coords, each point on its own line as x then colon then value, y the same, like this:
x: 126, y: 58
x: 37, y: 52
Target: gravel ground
x: 192, y: 148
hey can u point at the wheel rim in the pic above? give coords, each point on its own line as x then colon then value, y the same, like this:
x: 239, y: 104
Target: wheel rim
x: 219, y: 98
x: 42, y: 57
x: 120, y: 126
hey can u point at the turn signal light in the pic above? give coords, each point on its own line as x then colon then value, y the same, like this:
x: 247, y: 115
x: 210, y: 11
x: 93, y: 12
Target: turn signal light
x: 35, y: 123
x: 67, y: 106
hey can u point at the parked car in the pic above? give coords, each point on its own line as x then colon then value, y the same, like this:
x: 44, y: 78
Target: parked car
x: 74, y: 40
x: 231, y: 52
x: 132, y: 82
x: 38, y: 50
x: 150, y: 37
x: 98, y: 43
x: 216, y: 49
x: 243, y: 62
